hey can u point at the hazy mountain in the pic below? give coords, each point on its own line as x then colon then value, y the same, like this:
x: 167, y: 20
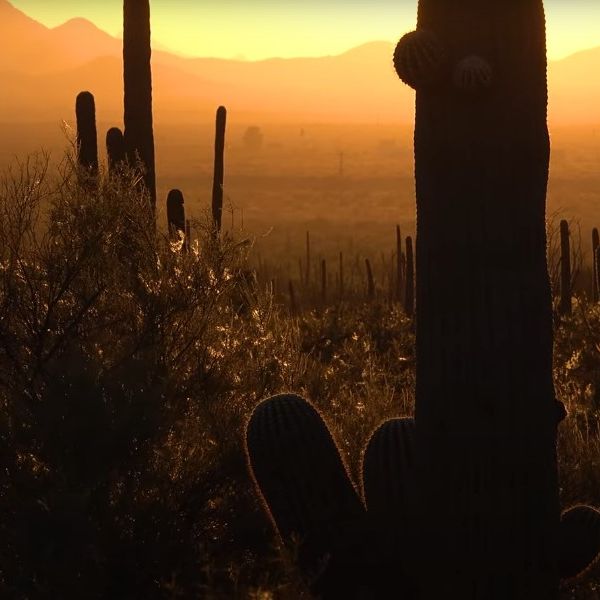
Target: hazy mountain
x: 43, y: 69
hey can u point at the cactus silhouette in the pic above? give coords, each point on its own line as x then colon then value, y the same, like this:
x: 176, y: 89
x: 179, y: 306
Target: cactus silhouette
x: 579, y: 538
x: 409, y: 294
x: 597, y: 255
x: 388, y: 469
x: 399, y: 276
x: 485, y: 410
x: 595, y: 266
x: 565, y: 269
x: 309, y: 496
x: 486, y: 523
x: 137, y: 78
x: 87, y: 141
x: 217, y: 193
x: 390, y: 494
x: 176, y: 215
x: 370, y: 280
x: 115, y: 149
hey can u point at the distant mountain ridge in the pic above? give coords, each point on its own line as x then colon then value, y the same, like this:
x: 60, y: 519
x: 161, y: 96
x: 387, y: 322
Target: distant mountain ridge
x: 43, y: 69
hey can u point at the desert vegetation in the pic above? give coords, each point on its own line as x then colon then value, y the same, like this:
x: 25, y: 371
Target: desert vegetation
x: 128, y: 372
x: 138, y: 341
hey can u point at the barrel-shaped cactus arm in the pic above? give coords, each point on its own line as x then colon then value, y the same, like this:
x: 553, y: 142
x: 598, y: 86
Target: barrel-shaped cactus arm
x: 388, y: 468
x: 308, y: 494
x: 579, y: 540
x: 390, y: 494
x: 419, y: 59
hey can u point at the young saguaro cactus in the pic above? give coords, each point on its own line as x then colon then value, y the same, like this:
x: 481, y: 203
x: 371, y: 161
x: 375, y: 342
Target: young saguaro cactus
x: 486, y: 413
x: 176, y: 216
x: 115, y: 149
x: 217, y: 192
x: 137, y: 78
x: 409, y: 293
x: 565, y: 269
x: 595, y: 266
x: 87, y: 140
x: 309, y: 496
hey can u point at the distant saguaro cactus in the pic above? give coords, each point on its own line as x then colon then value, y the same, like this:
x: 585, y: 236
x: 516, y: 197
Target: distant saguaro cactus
x: 115, y: 149
x: 323, y: 281
x: 137, y: 77
x: 370, y: 280
x: 217, y: 192
x: 176, y: 216
x: 87, y: 140
x: 595, y: 265
x: 399, y: 277
x: 409, y: 293
x: 341, y: 275
x: 565, y: 269
x: 598, y: 270
x: 486, y: 414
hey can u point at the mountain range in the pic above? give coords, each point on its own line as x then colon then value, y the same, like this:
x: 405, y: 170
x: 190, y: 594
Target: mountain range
x: 42, y: 69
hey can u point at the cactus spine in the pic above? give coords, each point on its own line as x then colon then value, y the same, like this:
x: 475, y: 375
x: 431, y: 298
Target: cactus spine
x: 87, y: 140
x: 217, y: 192
x: 137, y: 78
x: 115, y: 149
x: 486, y: 413
x: 565, y: 269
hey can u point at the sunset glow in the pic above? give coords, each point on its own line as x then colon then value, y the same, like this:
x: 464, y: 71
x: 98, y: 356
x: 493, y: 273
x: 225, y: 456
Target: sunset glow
x: 264, y: 28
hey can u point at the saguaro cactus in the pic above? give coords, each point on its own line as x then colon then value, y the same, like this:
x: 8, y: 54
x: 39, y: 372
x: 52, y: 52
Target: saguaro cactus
x: 370, y: 280
x: 390, y: 494
x: 176, y: 216
x: 137, y: 77
x: 595, y: 266
x: 87, y: 140
x: 115, y: 148
x: 409, y: 293
x: 565, y: 269
x: 217, y: 192
x: 311, y: 500
x: 399, y: 276
x: 486, y: 414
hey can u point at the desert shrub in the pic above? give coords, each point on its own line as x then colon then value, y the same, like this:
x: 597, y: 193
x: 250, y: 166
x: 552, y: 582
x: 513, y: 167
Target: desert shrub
x: 117, y: 353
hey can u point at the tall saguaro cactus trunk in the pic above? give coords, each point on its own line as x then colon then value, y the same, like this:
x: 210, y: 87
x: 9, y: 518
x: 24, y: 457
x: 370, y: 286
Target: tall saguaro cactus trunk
x: 486, y: 414
x: 137, y: 76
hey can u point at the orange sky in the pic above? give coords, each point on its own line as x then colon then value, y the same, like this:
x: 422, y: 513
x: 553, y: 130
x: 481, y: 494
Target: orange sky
x: 255, y: 29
